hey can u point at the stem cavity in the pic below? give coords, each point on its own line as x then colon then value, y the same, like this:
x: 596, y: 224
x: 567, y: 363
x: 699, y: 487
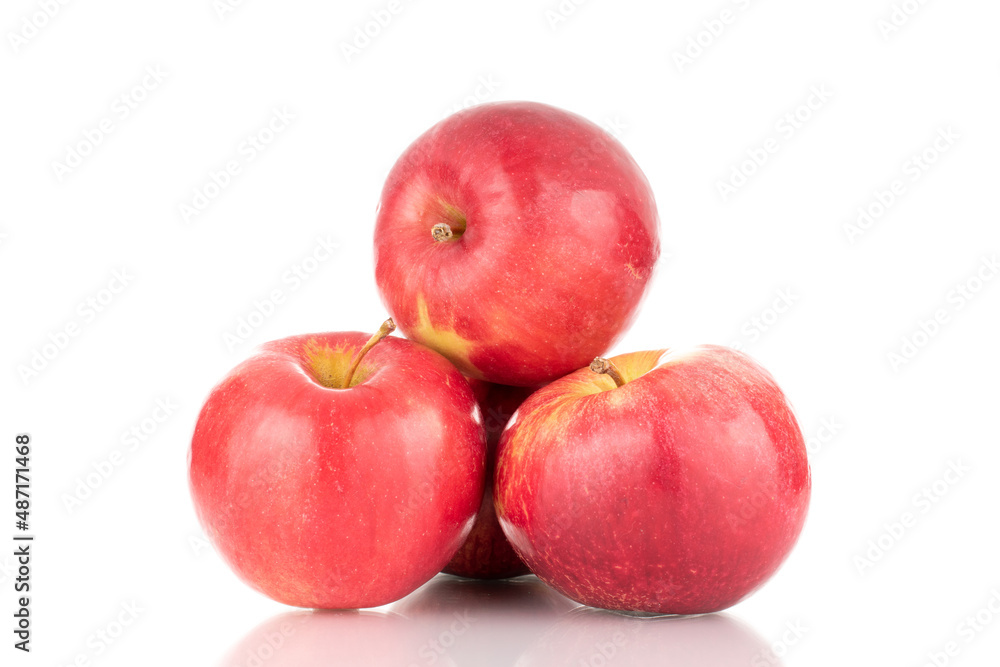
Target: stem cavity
x: 605, y: 367
x: 387, y: 328
x: 442, y: 232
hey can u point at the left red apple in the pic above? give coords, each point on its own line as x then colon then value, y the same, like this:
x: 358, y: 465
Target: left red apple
x: 339, y: 471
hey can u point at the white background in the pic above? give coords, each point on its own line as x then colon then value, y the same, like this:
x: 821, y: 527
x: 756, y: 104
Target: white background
x: 892, y: 429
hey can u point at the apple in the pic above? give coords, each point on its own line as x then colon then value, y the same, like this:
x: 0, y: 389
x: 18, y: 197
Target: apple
x: 486, y: 553
x: 504, y: 227
x: 336, y: 473
x: 671, y: 482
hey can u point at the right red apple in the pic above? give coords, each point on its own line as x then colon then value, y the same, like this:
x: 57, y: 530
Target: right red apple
x: 671, y: 482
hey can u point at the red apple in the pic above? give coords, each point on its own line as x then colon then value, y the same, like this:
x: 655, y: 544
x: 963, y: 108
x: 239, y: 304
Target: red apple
x: 505, y: 226
x: 666, y: 482
x: 334, y: 473
x: 486, y: 553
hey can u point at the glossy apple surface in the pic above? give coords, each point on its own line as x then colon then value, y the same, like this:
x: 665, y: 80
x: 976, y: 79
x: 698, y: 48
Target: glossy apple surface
x: 321, y: 496
x: 517, y: 240
x: 486, y: 553
x: 679, y: 492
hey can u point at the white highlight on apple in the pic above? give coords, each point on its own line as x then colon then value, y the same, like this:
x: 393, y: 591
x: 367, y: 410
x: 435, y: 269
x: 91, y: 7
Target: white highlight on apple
x: 247, y: 151
x: 786, y: 127
x: 77, y: 152
x: 706, y: 36
x: 86, y: 312
x: 130, y: 440
x: 899, y: 16
x: 33, y: 24
x: 926, y: 499
x: 966, y: 632
x: 913, y: 169
x: 956, y: 299
x: 292, y: 279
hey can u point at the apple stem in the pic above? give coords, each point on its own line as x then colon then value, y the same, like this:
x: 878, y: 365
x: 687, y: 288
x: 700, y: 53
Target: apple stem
x: 442, y: 232
x: 387, y: 328
x: 605, y: 367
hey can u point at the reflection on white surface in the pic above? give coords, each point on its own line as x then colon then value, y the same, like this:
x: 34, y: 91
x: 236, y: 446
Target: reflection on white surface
x: 481, y: 623
x: 593, y: 637
x: 313, y: 638
x: 454, y: 622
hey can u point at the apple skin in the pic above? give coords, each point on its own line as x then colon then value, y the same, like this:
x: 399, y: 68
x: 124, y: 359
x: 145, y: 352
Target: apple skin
x: 556, y: 240
x: 338, y: 498
x: 486, y: 553
x: 680, y: 492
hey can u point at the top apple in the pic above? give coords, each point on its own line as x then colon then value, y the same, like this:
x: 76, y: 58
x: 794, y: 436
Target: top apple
x: 517, y: 240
